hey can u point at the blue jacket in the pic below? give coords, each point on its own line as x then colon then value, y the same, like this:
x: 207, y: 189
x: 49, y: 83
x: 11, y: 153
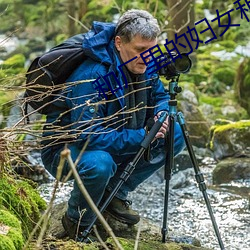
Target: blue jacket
x: 103, y: 123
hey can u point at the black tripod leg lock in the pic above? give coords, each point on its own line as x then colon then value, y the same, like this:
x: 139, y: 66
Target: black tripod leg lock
x: 149, y: 138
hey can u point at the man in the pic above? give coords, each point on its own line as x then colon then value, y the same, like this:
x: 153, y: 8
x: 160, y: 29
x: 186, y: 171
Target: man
x: 110, y: 123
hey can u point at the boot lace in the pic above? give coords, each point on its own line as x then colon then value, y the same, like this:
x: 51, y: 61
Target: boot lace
x: 127, y: 203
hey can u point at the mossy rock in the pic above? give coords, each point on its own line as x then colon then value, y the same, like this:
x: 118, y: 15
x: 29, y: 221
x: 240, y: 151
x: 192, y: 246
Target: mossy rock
x: 232, y: 139
x: 10, y: 231
x: 22, y: 200
x: 128, y: 244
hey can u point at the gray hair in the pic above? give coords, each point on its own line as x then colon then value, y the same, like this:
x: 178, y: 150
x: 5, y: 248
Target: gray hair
x: 137, y: 22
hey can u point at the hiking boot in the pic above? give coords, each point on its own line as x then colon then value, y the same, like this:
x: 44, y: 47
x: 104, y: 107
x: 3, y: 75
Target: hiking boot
x: 121, y: 211
x: 75, y: 231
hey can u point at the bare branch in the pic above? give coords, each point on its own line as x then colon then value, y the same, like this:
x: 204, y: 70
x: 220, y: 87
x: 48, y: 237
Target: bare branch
x: 66, y: 154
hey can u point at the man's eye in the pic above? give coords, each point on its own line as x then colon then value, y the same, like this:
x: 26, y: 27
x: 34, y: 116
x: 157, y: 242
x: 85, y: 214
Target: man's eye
x: 140, y: 50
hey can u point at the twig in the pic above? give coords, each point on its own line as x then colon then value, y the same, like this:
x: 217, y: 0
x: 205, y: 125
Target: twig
x: 99, y: 238
x: 66, y: 154
x: 77, y: 21
x: 137, y: 236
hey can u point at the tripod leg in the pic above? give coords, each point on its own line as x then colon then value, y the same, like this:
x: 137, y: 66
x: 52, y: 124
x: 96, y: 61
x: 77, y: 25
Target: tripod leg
x: 129, y: 168
x: 199, y: 176
x: 168, y: 173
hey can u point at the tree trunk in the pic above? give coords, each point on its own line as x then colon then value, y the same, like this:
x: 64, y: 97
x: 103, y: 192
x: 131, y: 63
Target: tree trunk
x: 83, y: 7
x: 181, y: 13
x: 72, y: 13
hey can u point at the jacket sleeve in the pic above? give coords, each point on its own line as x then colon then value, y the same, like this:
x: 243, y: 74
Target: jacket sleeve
x: 88, y: 119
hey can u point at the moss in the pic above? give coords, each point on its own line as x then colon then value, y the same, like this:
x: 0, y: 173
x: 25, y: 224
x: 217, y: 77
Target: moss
x: 225, y: 75
x: 229, y: 45
x: 6, y: 243
x: 9, y: 219
x: 16, y: 237
x: 13, y: 239
x: 16, y: 61
x: 236, y: 125
x: 128, y: 244
x: 22, y: 200
x: 214, y: 101
x: 221, y: 133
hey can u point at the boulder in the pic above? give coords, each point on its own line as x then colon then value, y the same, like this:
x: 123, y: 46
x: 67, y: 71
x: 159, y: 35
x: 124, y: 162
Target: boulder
x: 231, y: 169
x: 230, y: 140
x: 197, y: 125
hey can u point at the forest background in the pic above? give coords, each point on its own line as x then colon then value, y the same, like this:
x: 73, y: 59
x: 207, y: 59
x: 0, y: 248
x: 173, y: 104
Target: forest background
x: 216, y: 75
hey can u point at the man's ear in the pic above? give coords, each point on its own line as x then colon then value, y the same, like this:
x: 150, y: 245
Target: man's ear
x: 118, y: 43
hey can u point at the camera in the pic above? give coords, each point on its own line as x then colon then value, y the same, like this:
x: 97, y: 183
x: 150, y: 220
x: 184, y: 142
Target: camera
x: 175, y: 64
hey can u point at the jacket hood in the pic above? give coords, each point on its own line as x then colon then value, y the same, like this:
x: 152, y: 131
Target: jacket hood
x: 98, y: 43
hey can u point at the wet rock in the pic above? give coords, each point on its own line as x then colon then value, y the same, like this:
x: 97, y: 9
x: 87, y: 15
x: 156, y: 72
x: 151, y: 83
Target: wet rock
x: 231, y: 169
x: 181, y: 179
x: 197, y: 125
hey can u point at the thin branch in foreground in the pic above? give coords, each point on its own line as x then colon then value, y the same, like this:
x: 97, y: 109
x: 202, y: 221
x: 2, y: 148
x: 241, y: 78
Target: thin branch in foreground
x: 99, y: 238
x: 137, y: 236
x: 67, y: 155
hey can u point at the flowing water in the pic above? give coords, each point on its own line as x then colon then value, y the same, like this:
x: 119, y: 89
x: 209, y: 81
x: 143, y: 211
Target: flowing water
x: 187, y: 212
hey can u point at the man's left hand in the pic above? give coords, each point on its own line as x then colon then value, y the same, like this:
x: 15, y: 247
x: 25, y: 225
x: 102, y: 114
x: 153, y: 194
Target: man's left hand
x: 164, y: 128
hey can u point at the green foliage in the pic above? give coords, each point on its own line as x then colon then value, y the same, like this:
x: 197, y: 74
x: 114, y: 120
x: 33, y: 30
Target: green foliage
x: 16, y: 61
x: 218, y: 103
x: 13, y: 66
x: 214, y: 101
x: 224, y: 75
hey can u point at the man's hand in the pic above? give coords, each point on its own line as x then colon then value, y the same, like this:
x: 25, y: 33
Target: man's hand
x: 164, y: 128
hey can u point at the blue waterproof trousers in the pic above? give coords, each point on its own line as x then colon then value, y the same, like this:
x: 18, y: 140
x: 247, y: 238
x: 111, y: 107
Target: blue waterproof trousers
x: 100, y: 170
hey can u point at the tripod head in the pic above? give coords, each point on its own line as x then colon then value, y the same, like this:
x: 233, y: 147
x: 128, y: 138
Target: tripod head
x: 174, y: 89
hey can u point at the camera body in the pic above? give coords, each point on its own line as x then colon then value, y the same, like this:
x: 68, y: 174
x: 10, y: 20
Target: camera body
x: 175, y: 64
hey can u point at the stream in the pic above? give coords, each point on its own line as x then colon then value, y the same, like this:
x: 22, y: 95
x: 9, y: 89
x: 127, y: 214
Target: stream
x: 187, y: 212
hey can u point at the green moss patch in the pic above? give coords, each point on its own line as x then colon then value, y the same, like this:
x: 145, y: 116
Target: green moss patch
x: 22, y: 200
x: 10, y: 231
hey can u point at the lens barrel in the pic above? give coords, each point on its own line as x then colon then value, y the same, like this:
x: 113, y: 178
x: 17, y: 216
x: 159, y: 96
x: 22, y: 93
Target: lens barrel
x: 174, y: 65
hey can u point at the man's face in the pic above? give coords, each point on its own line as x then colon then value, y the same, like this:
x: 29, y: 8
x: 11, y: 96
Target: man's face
x: 134, y: 48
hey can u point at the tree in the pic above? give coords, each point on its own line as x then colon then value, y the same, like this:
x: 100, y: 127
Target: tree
x: 181, y: 15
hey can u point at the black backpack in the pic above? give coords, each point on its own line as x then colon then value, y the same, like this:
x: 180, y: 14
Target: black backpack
x: 48, y: 73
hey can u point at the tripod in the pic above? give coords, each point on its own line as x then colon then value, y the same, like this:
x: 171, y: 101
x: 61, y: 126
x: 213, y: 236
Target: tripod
x: 169, y: 163
x: 173, y: 90
x: 129, y: 168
